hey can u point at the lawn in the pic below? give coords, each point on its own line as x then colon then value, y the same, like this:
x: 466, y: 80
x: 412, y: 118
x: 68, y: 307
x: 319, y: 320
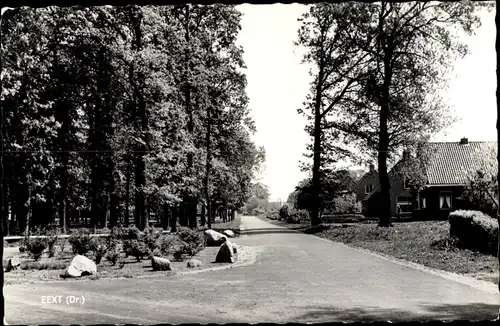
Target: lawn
x: 49, y: 269
x: 419, y: 242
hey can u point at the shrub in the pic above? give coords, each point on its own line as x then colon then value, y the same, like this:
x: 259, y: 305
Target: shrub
x: 113, y: 254
x: 63, y: 243
x: 257, y: 211
x: 152, y: 238
x: 179, y: 254
x: 347, y: 204
x: 475, y: 230
x: 22, y: 244
x: 51, y: 234
x: 284, y: 212
x: 80, y: 241
x: 302, y: 215
x: 36, y: 246
x: 192, y: 241
x: 136, y: 248
x: 41, y: 265
x: 126, y: 233
x: 167, y: 243
x: 98, y: 247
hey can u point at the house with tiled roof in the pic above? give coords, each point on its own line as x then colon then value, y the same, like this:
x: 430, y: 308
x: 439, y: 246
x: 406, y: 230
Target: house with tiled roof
x: 446, y: 172
x: 367, y: 183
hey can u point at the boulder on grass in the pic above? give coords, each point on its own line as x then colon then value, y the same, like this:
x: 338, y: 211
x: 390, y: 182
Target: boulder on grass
x: 214, y: 238
x: 229, y: 233
x: 193, y: 263
x: 160, y: 264
x: 80, y: 266
x: 226, y: 253
x: 13, y: 264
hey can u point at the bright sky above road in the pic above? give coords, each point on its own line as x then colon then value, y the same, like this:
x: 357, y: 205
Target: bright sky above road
x: 278, y: 84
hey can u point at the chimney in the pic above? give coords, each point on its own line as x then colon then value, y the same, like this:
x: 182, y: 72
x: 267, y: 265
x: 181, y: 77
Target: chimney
x: 406, y: 154
x: 372, y: 167
x: 464, y: 141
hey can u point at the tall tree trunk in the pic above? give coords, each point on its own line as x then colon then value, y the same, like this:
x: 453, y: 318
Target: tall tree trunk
x: 94, y: 190
x: 63, y: 136
x: 193, y: 213
x: 166, y: 216
x: 113, y: 209
x: 173, y: 221
x: 28, y: 206
x: 206, y: 181
x: 4, y: 192
x: 127, y: 195
x: 316, y: 181
x: 383, y: 147
x: 203, y: 212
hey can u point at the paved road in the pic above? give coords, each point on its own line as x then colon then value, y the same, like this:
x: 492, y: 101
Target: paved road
x: 296, y: 278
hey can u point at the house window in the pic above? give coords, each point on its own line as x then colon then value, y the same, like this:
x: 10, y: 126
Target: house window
x: 406, y: 183
x: 423, y: 203
x: 404, y: 204
x: 368, y: 189
x: 445, y: 200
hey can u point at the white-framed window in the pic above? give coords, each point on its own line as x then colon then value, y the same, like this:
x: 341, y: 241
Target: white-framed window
x: 404, y: 204
x: 406, y: 183
x: 368, y: 189
x: 445, y: 200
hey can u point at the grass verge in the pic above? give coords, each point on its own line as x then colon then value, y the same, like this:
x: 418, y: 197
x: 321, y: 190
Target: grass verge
x: 425, y: 243
x: 50, y: 269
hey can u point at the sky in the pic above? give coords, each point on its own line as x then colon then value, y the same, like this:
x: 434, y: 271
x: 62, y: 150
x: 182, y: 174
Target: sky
x: 278, y: 84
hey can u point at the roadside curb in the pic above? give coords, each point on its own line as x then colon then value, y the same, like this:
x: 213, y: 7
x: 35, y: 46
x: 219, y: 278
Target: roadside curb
x: 459, y: 278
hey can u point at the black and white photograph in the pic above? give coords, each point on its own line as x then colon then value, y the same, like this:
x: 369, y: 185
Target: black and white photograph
x: 249, y: 163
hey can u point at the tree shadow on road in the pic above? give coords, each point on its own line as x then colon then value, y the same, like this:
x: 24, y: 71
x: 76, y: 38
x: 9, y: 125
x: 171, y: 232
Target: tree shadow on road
x: 270, y: 231
x: 469, y: 312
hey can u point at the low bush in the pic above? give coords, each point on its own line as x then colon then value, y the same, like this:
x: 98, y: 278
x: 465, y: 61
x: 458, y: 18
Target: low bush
x: 41, y: 265
x: 151, y: 238
x: 98, y: 248
x: 112, y: 255
x: 51, y: 234
x: 22, y: 244
x: 257, y: 211
x: 475, y: 230
x: 284, y: 212
x: 347, y: 204
x: 192, y: 241
x: 35, y: 247
x: 136, y: 248
x: 167, y: 243
x: 126, y: 233
x: 179, y: 254
x: 343, y: 218
x: 80, y: 241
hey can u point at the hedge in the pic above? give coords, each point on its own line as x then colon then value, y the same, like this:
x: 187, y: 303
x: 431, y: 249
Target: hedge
x: 475, y: 230
x: 343, y: 218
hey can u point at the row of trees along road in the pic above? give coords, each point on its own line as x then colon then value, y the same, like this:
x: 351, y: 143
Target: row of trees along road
x: 112, y: 114
x: 378, y: 74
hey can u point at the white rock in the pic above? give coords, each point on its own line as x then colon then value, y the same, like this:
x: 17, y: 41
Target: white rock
x: 80, y: 266
x: 229, y: 233
x: 214, y: 238
x: 226, y: 253
x: 193, y: 263
x: 160, y: 264
x: 13, y: 264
